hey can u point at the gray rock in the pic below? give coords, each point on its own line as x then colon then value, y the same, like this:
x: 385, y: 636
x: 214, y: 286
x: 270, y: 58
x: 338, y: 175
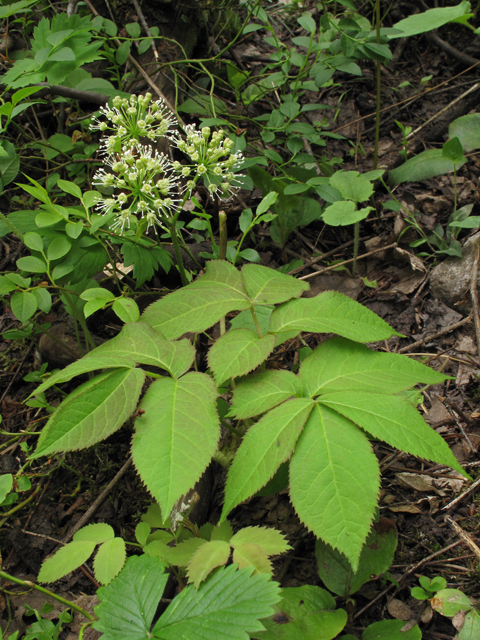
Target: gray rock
x: 450, y: 280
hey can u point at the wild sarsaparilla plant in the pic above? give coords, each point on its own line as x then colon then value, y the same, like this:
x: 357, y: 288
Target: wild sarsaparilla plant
x: 320, y: 420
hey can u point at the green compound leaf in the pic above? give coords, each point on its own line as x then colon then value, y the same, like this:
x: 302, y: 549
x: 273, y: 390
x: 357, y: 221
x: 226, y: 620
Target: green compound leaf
x: 343, y: 213
x: 340, y: 364
x: 266, y: 286
x: 92, y: 412
x: 201, y: 304
x: 251, y: 555
x: 181, y: 555
x: 140, y: 342
x: 265, y: 446
x: 238, y: 352
x: 206, y: 558
x: 176, y: 436
x: 391, y: 630
x: 395, y: 420
x: 376, y: 558
x: 96, y: 533
x: 331, y: 312
x: 270, y: 540
x: 352, y: 185
x: 67, y: 559
x: 334, y: 481
x: 229, y: 605
x: 305, y: 609
x: 128, y: 604
x: 263, y: 391
x: 31, y: 264
x: 24, y: 305
x: 109, y: 560
x: 90, y: 362
x: 222, y: 531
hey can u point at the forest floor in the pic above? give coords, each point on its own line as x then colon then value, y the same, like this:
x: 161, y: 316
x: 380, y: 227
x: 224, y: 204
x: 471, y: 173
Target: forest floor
x: 416, y: 496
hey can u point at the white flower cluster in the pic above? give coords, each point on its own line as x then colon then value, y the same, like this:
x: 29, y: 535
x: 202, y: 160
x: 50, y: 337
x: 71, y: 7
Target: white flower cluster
x: 214, y: 162
x: 145, y: 183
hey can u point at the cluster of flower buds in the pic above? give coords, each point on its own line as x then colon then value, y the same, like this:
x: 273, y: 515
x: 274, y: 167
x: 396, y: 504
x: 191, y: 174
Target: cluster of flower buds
x: 145, y: 183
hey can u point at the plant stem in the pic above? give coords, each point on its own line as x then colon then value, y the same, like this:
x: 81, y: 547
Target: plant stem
x: 19, y: 506
x: 178, y: 255
x: 222, y: 219
x: 31, y: 585
x: 379, y: 86
x: 355, y: 246
x: 255, y: 320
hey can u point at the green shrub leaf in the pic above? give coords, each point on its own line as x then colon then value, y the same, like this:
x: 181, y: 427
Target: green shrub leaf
x: 334, y: 481
x: 270, y: 540
x: 128, y: 604
x: 92, y: 412
x: 181, y: 555
x: 251, y: 555
x: 265, y: 446
x: 176, y: 436
x: 352, y: 185
x: 31, y: 264
x: 467, y: 130
x: 24, y: 305
x: 67, y: 559
x: 331, y: 312
x: 425, y: 165
x: 263, y: 391
x: 96, y: 533
x: 229, y: 605
x: 238, y: 352
x: 395, y: 420
x: 391, y: 630
x: 206, y: 558
x: 126, y: 309
x: 427, y: 21
x: 140, y: 342
x: 109, y: 560
x: 266, y: 286
x: 339, y: 364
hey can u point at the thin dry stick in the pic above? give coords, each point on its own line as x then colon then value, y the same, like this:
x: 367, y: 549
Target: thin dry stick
x: 474, y: 296
x: 141, y: 17
x: 434, y: 336
x: 16, y: 373
x: 462, y: 495
x: 322, y: 257
x: 411, y: 570
x: 465, y: 537
x: 91, y: 510
x: 439, y: 113
x: 340, y: 264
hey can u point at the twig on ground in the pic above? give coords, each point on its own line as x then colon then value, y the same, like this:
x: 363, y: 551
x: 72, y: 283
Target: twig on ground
x: 474, y: 296
x: 434, y: 336
x: 14, y: 377
x: 451, y: 504
x: 91, y: 510
x: 144, y: 24
x: 464, y: 58
x: 465, y: 537
x: 340, y: 264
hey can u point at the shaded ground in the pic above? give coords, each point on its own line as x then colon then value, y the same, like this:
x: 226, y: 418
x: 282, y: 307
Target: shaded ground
x: 415, y: 495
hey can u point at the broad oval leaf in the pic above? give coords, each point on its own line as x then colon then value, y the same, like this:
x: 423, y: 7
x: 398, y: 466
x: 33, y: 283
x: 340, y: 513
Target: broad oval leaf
x: 331, y: 312
x: 265, y: 446
x: 270, y: 540
x: 66, y: 559
x: 343, y: 213
x: 206, y: 558
x: 266, y: 286
x: 24, y: 305
x: 140, y: 342
x: 340, y: 364
x: 352, y: 185
x: 96, y: 533
x: 395, y: 420
x: 32, y: 264
x: 467, y: 130
x: 200, y: 304
x: 249, y: 554
x: 431, y: 19
x: 176, y: 435
x: 128, y: 604
x: 126, y: 309
x: 262, y: 391
x: 334, y: 481
x: 92, y: 412
x: 238, y: 352
x: 230, y: 605
x: 109, y: 560
x: 425, y: 165
x: 391, y: 630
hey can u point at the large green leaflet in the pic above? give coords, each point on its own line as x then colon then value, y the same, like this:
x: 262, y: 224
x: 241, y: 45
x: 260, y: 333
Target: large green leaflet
x: 395, y: 420
x: 176, y: 435
x: 238, y: 352
x: 334, y: 481
x: 92, y: 412
x: 201, y: 304
x: 265, y: 446
x: 263, y: 391
x: 339, y: 364
x: 229, y: 605
x: 266, y: 286
x: 142, y: 344
x: 331, y: 312
x: 128, y: 604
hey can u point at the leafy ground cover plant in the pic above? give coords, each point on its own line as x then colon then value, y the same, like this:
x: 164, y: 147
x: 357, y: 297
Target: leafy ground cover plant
x: 320, y: 419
